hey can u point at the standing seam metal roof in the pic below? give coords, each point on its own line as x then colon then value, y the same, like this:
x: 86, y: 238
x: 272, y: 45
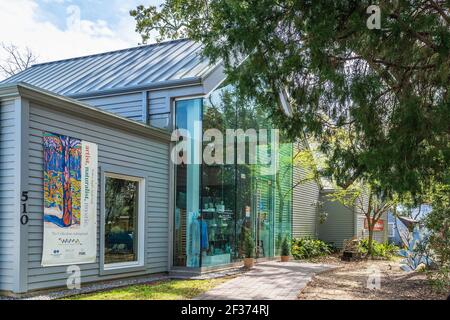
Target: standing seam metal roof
x: 118, y: 70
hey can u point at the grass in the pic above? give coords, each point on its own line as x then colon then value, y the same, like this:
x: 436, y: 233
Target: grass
x: 162, y: 290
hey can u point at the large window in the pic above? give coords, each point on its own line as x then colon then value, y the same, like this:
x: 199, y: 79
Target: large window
x: 123, y: 220
x: 187, y: 181
x: 216, y: 203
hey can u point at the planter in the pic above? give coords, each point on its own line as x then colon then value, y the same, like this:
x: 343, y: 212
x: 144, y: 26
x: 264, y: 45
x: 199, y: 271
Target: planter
x: 284, y: 258
x: 249, y: 263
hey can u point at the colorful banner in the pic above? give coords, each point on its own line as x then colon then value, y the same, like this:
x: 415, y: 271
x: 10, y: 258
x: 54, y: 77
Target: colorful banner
x: 70, y: 201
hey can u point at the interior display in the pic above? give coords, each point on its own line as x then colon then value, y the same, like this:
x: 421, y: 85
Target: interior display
x: 121, y: 220
x: 216, y: 202
x: 70, y: 200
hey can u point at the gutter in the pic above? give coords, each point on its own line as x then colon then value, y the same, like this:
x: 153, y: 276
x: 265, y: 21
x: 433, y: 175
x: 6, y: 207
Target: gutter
x: 170, y: 84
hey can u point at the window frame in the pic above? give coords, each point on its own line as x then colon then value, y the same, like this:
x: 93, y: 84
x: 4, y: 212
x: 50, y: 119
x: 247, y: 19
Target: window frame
x: 131, y: 175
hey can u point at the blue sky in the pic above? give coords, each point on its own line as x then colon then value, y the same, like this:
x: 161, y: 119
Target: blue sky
x: 55, y: 11
x: 59, y: 29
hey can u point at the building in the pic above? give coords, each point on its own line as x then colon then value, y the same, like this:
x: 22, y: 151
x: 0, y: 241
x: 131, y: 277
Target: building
x: 86, y: 177
x: 343, y: 223
x: 401, y: 227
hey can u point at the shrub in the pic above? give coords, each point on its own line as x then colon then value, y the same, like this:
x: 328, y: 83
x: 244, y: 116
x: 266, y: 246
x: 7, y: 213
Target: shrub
x: 285, y: 249
x: 306, y: 248
x: 438, y: 223
x: 249, y: 244
x: 381, y: 250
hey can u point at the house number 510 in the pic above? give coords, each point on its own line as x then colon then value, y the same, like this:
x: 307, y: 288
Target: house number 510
x: 24, y: 214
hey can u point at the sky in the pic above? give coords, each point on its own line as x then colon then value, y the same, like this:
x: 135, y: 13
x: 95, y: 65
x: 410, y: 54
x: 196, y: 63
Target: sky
x: 59, y: 29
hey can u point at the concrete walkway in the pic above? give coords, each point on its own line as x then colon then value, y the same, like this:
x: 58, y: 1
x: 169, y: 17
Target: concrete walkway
x: 271, y: 280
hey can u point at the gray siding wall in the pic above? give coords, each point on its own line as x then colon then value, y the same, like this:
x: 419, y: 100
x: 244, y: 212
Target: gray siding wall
x: 339, y: 225
x: 8, y: 186
x: 159, y: 109
x: 304, y: 205
x: 128, y: 105
x: 117, y: 148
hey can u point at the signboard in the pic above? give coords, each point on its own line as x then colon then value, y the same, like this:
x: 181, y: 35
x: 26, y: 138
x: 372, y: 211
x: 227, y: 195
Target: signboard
x: 70, y: 201
x: 379, y: 226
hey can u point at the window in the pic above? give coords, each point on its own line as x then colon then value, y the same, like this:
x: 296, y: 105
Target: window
x: 123, y: 221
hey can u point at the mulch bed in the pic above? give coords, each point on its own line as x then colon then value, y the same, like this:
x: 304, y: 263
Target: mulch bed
x: 349, y: 281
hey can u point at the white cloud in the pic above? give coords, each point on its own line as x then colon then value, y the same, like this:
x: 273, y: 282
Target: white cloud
x: 21, y: 25
x: 56, y: 1
x: 98, y: 28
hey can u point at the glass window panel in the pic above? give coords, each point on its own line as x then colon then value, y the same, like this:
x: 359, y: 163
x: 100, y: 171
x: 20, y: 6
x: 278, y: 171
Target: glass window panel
x: 187, y: 192
x: 218, y: 196
x: 121, y: 216
x: 230, y: 197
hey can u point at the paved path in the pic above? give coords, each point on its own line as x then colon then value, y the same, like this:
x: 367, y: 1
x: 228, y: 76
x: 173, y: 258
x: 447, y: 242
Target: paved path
x: 271, y: 280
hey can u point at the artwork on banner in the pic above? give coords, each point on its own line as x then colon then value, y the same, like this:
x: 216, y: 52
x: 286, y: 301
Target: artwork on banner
x: 70, y: 201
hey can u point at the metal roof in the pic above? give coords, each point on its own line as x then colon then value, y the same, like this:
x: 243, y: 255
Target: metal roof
x: 139, y: 67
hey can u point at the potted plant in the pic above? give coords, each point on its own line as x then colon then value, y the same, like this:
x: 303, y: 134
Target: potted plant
x: 249, y: 250
x: 285, y: 250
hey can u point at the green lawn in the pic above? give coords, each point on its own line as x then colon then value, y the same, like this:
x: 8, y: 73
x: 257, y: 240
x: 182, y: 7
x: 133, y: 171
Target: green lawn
x: 162, y: 290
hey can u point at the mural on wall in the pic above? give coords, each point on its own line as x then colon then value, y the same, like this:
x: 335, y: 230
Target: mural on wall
x: 70, y: 200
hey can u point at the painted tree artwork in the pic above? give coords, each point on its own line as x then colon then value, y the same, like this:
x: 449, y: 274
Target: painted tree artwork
x: 62, y: 181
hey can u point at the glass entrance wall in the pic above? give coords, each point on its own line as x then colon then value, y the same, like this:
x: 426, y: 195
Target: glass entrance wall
x: 216, y: 203
x: 187, y: 222
x: 283, y: 197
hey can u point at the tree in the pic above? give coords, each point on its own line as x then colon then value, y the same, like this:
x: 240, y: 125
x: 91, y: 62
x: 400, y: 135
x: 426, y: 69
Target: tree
x: 438, y: 223
x: 16, y: 60
x: 364, y: 199
x: 388, y: 89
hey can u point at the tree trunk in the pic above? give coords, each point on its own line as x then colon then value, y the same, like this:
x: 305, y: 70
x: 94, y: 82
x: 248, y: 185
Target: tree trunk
x: 370, y: 241
x: 67, y: 192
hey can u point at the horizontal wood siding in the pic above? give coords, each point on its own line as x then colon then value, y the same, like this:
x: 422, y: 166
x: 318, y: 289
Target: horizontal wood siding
x: 7, y: 193
x: 115, y: 147
x: 159, y: 109
x: 127, y: 105
x: 304, y: 205
x: 339, y: 224
x: 158, y: 104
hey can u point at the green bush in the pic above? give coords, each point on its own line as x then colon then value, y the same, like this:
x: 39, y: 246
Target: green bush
x: 381, y: 250
x: 306, y: 248
x: 249, y: 244
x: 285, y: 249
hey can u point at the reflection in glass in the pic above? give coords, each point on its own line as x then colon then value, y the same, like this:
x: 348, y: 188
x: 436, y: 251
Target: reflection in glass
x: 187, y: 184
x: 121, y: 212
x: 216, y: 202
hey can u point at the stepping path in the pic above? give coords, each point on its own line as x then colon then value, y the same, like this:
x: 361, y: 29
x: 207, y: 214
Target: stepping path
x: 271, y: 280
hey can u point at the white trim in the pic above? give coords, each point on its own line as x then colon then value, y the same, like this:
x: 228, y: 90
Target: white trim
x: 141, y: 223
x: 202, y: 96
